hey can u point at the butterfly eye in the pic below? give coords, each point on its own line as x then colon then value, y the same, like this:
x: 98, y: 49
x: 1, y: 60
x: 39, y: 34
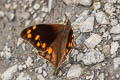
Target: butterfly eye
x: 43, y: 45
x: 34, y: 27
x: 29, y: 35
x: 37, y: 37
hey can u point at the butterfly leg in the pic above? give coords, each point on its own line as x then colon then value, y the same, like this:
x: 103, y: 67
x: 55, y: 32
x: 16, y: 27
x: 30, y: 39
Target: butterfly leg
x: 56, y: 72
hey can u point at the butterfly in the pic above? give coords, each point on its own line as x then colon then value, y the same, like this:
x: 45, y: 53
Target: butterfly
x: 52, y: 41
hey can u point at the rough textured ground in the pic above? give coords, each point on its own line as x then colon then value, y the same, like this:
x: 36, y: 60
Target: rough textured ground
x: 96, y: 51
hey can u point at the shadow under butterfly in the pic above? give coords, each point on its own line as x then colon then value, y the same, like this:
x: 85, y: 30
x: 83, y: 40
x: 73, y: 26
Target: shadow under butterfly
x: 52, y: 41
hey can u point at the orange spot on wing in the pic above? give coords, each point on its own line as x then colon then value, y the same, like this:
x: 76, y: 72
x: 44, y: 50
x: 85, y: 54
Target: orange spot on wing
x: 69, y: 45
x: 72, y: 40
x: 28, y: 31
x: 37, y: 37
x: 72, y: 36
x: 34, y: 27
x: 53, y: 56
x: 50, y: 50
x: 29, y: 35
x: 43, y: 45
x: 38, y: 44
x: 48, y: 57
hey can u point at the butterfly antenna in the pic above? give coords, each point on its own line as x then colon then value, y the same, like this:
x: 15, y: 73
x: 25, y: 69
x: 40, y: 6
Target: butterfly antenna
x: 68, y: 18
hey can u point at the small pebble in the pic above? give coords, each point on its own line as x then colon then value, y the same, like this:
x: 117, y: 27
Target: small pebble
x: 102, y: 18
x: 92, y: 56
x: 9, y: 73
x: 36, y: 6
x: 93, y: 40
x: 1, y: 14
x: 74, y: 71
x: 44, y: 73
x: 23, y: 76
x: 40, y: 77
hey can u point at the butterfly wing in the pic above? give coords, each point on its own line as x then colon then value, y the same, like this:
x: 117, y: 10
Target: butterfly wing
x: 66, y: 45
x: 42, y: 37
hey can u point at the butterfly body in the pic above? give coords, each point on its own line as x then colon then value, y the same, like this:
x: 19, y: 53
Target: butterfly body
x: 52, y: 41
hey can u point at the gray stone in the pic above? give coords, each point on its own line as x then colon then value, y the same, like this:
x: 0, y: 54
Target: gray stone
x: 23, y: 46
x: 79, y: 40
x: 10, y: 16
x: 38, y: 20
x: 23, y: 76
x: 106, y: 34
x: 9, y: 73
x: 68, y: 2
x: 90, y: 76
x: 44, y: 65
x: 14, y: 5
x: 21, y: 67
x: 25, y: 15
x: 92, y: 56
x: 112, y: 1
x: 102, y: 18
x: 36, y: 6
x: 109, y: 8
x: 93, y: 40
x: 97, y: 5
x: 116, y: 37
x: 40, y: 70
x: 118, y: 1
x: 1, y: 14
x: 74, y: 71
x: 27, y: 23
x: 79, y: 56
x: 83, y: 16
x: 30, y: 2
x: 106, y: 50
x: 40, y: 77
x: 115, y: 29
x: 49, y: 5
x: 83, y: 2
x: 29, y: 62
x: 116, y: 62
x: 114, y: 47
x: 20, y: 40
x: 44, y: 73
x: 101, y: 76
x: 87, y: 25
x: 74, y: 52
x: 102, y: 30
x: 86, y: 2
x: 6, y: 53
x: 113, y: 22
x: 44, y: 9
x: 31, y: 11
x: 34, y: 15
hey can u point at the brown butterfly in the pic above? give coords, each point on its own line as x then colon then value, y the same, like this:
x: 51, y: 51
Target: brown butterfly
x: 52, y: 41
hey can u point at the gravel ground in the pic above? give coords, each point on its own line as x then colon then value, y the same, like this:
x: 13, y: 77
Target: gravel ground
x: 96, y: 26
